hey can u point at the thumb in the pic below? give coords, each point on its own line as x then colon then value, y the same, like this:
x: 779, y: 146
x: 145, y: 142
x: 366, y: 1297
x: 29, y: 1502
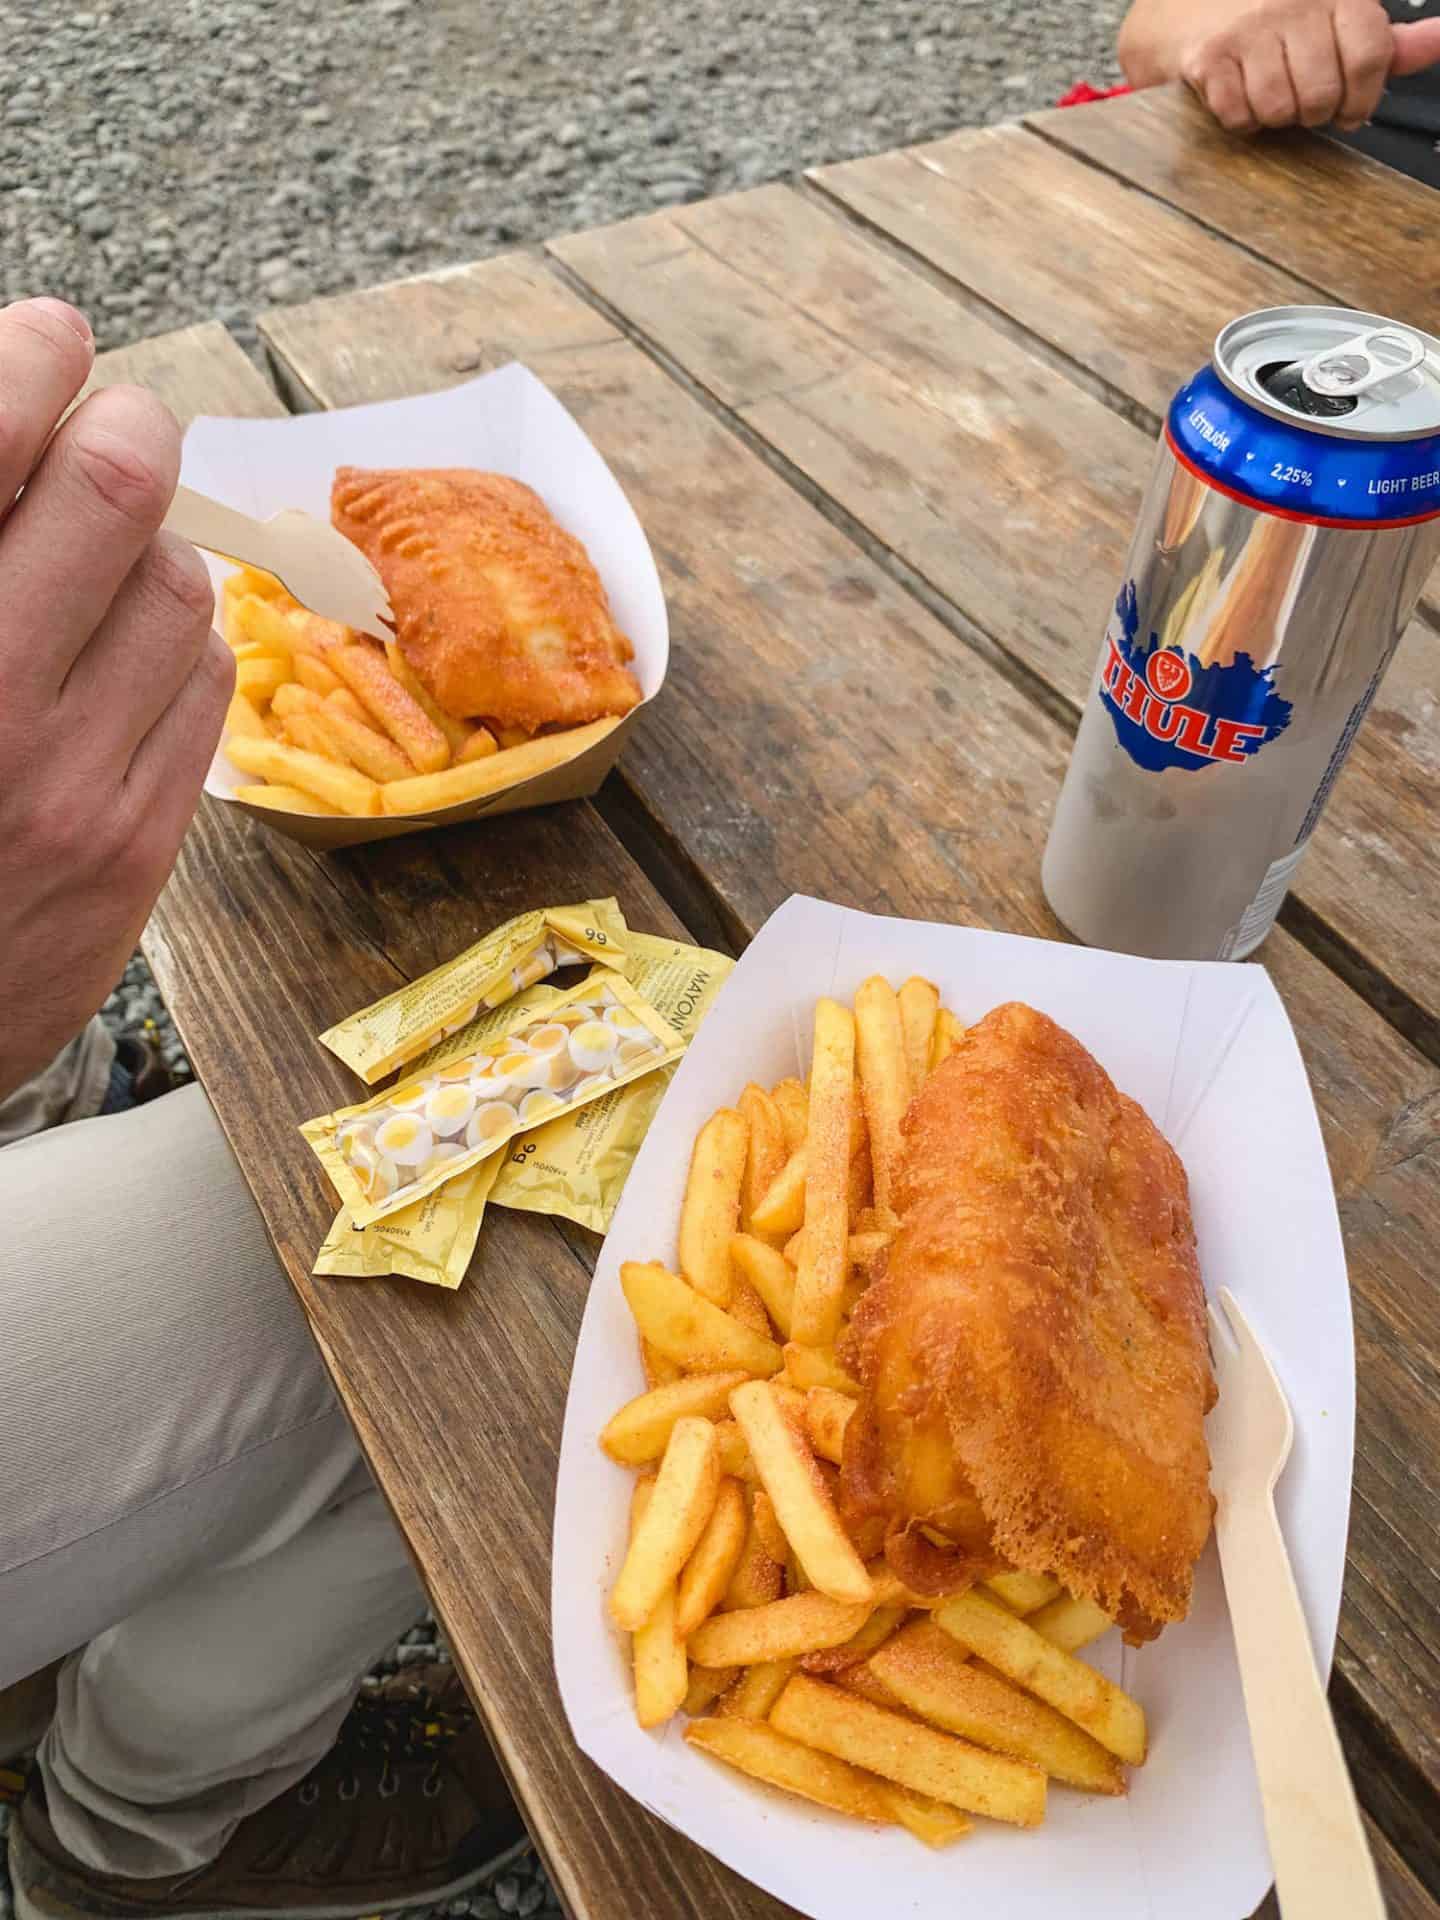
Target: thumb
x: 1417, y: 45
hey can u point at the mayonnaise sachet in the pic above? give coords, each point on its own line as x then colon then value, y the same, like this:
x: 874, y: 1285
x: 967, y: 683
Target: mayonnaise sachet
x: 417, y: 1016
x: 455, y: 1109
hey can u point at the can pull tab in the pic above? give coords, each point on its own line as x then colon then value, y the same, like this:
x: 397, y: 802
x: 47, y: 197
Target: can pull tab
x: 1363, y: 362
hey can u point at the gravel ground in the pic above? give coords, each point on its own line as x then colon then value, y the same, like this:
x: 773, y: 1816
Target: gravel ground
x: 179, y: 162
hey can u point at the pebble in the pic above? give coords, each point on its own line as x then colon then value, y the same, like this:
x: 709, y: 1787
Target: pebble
x: 396, y: 113
x: 387, y: 129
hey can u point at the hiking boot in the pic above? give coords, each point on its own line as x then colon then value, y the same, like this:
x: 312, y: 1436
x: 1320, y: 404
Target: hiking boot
x: 409, y: 1807
x: 143, y: 1061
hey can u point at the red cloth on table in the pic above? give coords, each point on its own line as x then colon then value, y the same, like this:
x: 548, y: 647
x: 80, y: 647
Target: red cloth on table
x: 1082, y: 93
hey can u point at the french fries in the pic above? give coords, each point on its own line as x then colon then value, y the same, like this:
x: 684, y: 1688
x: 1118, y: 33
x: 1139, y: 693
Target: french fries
x: 825, y: 1263
x: 661, y: 1674
x: 366, y: 672
x: 802, y: 1501
x: 301, y: 728
x: 340, y: 787
x: 757, y: 1604
x: 757, y: 1749
x: 756, y: 1691
x: 919, y: 1005
x: 792, y: 1103
x: 779, y: 1630
x: 929, y: 1674
x: 884, y: 1083
x: 766, y: 1150
x: 936, y: 1825
x: 476, y: 779
x: 268, y: 619
x: 375, y: 717
x: 910, y: 1753
x: 748, y: 1308
x: 685, y: 1326
x: 990, y: 1631
x: 283, y: 800
x: 342, y: 700
x: 706, y: 1574
x: 769, y: 1273
x: 734, y: 1454
x: 782, y: 1211
x: 312, y: 672
x: 660, y: 1369
x: 711, y: 1208
x: 862, y: 1681
x: 751, y: 1746
x: 771, y: 1534
x: 1023, y: 1592
x: 706, y: 1686
x: 827, y: 1414
x: 243, y: 718
x: 807, y: 1367
x: 478, y: 745
x: 946, y: 1037
x: 866, y: 1640
x: 638, y: 1433
x: 459, y: 733
x: 1069, y: 1623
x: 259, y: 679
x: 758, y: 1577
x: 679, y: 1508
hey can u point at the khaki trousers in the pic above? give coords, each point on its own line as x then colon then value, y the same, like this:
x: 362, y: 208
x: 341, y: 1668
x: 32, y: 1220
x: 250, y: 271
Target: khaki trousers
x: 184, y: 1513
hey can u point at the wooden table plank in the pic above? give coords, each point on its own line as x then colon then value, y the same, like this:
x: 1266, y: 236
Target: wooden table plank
x: 458, y: 1399
x: 1004, y: 486
x: 1360, y: 231
x: 1097, y: 282
x: 820, y: 730
x: 1096, y: 277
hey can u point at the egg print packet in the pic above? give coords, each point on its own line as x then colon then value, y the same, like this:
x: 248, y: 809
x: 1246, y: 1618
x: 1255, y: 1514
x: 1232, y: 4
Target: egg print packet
x: 393, y: 1150
x: 431, y: 1240
x: 415, y: 1017
x: 578, y: 1165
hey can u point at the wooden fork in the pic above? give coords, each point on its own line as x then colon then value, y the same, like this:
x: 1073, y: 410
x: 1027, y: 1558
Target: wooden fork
x: 1323, y: 1869
x: 319, y: 566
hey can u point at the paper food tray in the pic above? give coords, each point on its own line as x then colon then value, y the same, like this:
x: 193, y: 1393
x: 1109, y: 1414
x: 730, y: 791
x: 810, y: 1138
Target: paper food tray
x: 505, y: 422
x: 1208, y: 1052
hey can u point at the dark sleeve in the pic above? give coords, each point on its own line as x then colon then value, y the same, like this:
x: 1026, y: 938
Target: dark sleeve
x: 1412, y: 105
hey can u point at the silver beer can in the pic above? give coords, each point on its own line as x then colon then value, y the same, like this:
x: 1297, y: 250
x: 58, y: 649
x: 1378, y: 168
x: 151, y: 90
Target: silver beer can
x: 1290, y: 522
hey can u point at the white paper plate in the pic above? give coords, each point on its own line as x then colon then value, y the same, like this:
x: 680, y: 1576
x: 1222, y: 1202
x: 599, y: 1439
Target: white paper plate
x: 504, y: 422
x: 1208, y: 1051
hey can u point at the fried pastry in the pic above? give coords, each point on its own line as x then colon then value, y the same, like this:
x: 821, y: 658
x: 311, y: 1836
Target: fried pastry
x: 1034, y: 1361
x: 498, y: 609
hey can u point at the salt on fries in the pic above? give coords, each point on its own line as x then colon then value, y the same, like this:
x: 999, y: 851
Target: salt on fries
x: 343, y: 723
x: 751, y: 1607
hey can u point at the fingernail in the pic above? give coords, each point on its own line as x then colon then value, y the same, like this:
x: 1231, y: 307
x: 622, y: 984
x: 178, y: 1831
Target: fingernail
x: 64, y: 312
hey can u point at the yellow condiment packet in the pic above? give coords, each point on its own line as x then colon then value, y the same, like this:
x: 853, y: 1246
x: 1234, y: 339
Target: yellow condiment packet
x: 432, y: 1240
x: 401, y: 1026
x: 576, y: 1166
x: 451, y: 1113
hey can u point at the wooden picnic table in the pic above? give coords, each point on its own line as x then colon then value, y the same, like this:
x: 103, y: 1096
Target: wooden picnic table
x: 887, y: 427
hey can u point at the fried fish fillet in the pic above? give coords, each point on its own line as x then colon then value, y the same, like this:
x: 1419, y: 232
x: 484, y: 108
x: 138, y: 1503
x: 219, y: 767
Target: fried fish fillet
x: 1034, y: 1360
x: 498, y: 609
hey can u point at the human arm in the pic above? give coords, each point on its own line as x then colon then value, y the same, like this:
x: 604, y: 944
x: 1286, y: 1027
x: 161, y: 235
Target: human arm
x: 112, y: 685
x: 1275, y: 63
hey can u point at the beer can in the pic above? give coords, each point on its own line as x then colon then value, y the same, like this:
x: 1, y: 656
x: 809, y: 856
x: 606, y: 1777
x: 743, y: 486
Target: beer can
x: 1291, y: 519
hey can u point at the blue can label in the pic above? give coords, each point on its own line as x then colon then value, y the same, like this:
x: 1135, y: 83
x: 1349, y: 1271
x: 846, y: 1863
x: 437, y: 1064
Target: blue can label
x: 1171, y: 710
x: 1287, y: 468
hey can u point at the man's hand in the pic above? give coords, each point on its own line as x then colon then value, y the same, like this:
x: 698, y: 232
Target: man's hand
x: 112, y: 686
x: 1275, y: 63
